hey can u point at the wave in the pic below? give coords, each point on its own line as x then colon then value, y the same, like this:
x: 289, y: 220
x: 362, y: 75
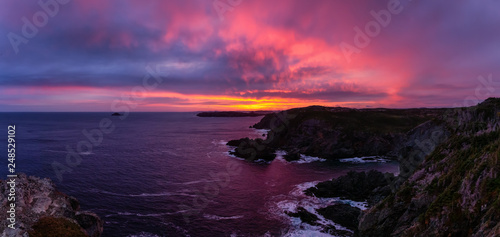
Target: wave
x: 160, y: 152
x: 308, y: 159
x: 86, y: 153
x: 219, y: 142
x: 228, y: 153
x: 143, y: 234
x: 143, y: 215
x: 279, y: 205
x: 365, y: 159
x: 162, y: 194
x: 262, y: 131
x: 215, y: 217
x: 280, y: 155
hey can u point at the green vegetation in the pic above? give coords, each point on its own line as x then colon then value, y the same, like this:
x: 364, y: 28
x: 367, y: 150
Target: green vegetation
x: 464, y: 193
x: 370, y: 120
x: 55, y: 227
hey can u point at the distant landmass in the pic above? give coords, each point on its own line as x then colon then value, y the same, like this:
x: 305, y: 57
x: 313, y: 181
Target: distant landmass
x: 232, y: 114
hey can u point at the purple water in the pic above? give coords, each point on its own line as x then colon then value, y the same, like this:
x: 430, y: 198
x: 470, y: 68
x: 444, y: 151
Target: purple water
x: 169, y: 174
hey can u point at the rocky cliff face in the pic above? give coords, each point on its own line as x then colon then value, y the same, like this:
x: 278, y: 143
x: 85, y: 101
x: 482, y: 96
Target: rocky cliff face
x: 334, y: 133
x: 40, y: 208
x: 449, y: 183
x: 456, y: 190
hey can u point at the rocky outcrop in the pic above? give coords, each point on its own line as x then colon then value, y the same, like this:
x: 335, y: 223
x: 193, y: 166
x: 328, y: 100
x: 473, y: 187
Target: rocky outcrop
x: 304, y: 216
x: 456, y: 190
x: 333, y: 133
x: 342, y: 214
x: 252, y: 149
x: 40, y: 207
x: 357, y: 186
x: 449, y: 182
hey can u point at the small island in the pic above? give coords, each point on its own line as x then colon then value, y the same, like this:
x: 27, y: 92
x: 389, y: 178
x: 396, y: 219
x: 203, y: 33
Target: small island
x: 116, y: 114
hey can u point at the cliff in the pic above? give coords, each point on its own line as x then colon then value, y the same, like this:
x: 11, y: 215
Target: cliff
x: 41, y: 209
x: 456, y: 190
x: 448, y: 183
x: 334, y: 133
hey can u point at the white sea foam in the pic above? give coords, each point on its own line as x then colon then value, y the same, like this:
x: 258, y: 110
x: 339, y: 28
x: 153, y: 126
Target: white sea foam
x: 281, y: 204
x: 216, y: 217
x: 280, y: 155
x: 86, y: 153
x: 308, y: 159
x: 262, y: 131
x: 228, y: 153
x: 219, y: 142
x: 365, y: 159
x: 360, y: 205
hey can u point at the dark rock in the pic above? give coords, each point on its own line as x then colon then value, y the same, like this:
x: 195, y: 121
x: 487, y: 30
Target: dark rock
x: 238, y: 142
x: 116, y: 114
x: 56, y: 226
x: 292, y: 156
x: 252, y: 150
x: 342, y: 214
x: 304, y: 216
x: 356, y: 186
x: 89, y: 221
x: 335, y: 232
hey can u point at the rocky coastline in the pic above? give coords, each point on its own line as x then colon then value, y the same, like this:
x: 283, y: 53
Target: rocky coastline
x: 335, y: 133
x: 42, y: 210
x: 449, y: 182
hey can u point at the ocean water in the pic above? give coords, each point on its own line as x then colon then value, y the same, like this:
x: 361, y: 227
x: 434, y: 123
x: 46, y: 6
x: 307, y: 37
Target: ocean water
x: 170, y: 174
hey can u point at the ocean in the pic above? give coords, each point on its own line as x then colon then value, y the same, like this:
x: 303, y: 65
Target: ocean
x: 170, y: 174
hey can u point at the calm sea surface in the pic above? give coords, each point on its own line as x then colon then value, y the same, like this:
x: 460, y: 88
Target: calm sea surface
x: 169, y: 174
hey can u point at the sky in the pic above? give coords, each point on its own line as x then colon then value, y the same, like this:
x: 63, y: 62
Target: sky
x: 209, y: 55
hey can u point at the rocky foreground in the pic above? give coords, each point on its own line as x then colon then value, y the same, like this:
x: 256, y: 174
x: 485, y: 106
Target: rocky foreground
x: 41, y: 210
x: 449, y: 182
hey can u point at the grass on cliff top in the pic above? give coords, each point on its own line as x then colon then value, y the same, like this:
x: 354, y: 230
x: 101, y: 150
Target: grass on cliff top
x: 55, y: 227
x: 369, y: 120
